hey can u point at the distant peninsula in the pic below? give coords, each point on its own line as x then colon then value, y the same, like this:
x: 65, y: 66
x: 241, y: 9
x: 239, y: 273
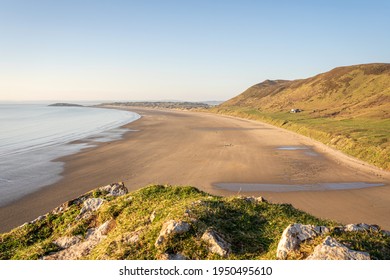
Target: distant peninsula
x: 65, y: 105
x: 161, y: 105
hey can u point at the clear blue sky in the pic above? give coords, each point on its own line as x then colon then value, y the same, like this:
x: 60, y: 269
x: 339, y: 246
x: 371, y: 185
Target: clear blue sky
x: 185, y: 50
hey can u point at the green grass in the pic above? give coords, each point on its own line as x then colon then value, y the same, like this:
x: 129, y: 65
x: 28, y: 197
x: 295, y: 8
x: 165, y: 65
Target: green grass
x: 363, y: 138
x: 253, y: 229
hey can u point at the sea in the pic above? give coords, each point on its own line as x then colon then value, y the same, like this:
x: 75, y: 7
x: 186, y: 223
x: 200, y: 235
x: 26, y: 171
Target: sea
x: 33, y: 136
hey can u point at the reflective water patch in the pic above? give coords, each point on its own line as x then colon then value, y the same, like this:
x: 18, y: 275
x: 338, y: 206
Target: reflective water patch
x: 248, y: 187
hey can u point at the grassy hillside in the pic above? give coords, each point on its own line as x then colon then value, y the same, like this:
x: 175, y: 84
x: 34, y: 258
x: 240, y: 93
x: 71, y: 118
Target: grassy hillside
x: 252, y: 227
x: 347, y: 108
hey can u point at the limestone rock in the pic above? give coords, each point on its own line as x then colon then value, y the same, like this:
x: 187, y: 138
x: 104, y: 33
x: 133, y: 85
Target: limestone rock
x: 40, y: 218
x: 217, y: 244
x: 253, y: 199
x: 361, y: 227
x: 321, y: 230
x: 172, y: 257
x: 90, y: 205
x: 261, y: 199
x: 292, y: 237
x: 331, y: 249
x: 132, y: 237
x: 80, y: 248
x: 106, y: 227
x: 250, y: 199
x: 58, y: 210
x: 115, y: 189
x: 66, y: 242
x: 77, y: 201
x: 171, y: 228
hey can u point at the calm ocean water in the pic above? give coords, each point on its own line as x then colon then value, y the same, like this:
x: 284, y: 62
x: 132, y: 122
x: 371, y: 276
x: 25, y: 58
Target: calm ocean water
x: 32, y: 136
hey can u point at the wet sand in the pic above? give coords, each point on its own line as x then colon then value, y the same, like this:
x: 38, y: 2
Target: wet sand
x: 201, y: 149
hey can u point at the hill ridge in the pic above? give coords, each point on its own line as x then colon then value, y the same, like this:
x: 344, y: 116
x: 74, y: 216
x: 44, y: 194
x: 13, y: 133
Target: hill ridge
x: 347, y: 108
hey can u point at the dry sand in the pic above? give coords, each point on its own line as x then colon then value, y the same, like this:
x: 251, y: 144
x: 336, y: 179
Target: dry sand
x: 200, y: 149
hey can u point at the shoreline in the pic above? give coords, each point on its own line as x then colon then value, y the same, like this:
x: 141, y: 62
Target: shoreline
x: 201, y: 149
x: 29, y: 155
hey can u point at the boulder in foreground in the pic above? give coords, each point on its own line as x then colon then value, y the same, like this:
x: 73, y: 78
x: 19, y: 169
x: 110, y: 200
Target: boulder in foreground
x: 331, y: 249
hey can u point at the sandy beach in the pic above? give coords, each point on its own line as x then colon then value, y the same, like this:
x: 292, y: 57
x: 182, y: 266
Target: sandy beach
x: 203, y: 150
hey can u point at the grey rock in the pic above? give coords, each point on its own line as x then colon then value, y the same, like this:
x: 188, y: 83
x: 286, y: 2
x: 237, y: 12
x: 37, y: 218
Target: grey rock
x: 353, y: 227
x: 66, y: 242
x: 115, y: 189
x: 40, y: 218
x: 321, y: 230
x: 292, y: 237
x: 361, y: 227
x: 132, y: 237
x: 90, y: 205
x: 331, y: 249
x: 80, y: 249
x: 172, y: 257
x: 58, y: 210
x: 171, y: 228
x: 250, y: 199
x: 77, y: 201
x: 106, y: 227
x: 261, y: 199
x: 217, y: 244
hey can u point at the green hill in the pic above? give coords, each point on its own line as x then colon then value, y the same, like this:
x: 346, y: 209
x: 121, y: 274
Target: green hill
x: 109, y: 223
x: 347, y: 108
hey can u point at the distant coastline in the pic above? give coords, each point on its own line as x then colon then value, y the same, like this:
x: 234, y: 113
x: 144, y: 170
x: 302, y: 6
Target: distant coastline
x: 65, y: 105
x: 162, y: 105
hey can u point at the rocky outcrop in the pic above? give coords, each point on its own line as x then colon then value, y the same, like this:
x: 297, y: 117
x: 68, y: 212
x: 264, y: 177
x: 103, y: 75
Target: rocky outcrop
x: 293, y: 235
x: 132, y: 237
x: 331, y: 249
x: 261, y: 199
x: 252, y: 199
x: 75, y: 248
x: 90, y: 205
x: 115, y: 189
x: 66, y: 242
x: 217, y: 244
x: 107, y: 227
x: 361, y: 227
x: 171, y: 228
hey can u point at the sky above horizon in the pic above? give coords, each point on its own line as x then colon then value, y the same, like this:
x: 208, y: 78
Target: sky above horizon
x: 179, y: 50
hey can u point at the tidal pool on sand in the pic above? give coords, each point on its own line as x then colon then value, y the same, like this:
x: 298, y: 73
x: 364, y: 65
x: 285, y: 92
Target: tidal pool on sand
x: 250, y: 187
x: 306, y: 149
